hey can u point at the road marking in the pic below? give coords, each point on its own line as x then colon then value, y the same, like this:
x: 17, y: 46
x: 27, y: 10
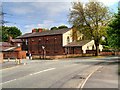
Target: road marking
x: 8, y: 81
x: 81, y: 85
x: 30, y: 75
x: 10, y: 68
x: 42, y: 71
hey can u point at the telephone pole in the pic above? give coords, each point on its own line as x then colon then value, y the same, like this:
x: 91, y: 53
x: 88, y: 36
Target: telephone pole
x: 2, y: 21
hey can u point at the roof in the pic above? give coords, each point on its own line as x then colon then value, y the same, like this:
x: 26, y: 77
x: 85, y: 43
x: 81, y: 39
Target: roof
x: 76, y: 44
x: 8, y: 48
x: 44, y: 33
x: 17, y: 40
x: 5, y: 44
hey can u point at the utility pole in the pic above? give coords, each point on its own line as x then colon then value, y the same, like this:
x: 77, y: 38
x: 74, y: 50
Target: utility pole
x: 1, y: 14
x: 1, y: 18
x: 2, y: 21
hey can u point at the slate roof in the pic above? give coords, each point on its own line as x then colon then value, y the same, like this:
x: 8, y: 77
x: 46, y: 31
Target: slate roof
x: 17, y: 40
x: 44, y: 33
x: 5, y: 46
x: 76, y: 44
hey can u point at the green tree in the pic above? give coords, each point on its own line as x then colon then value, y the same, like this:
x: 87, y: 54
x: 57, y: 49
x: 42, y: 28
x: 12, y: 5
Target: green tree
x: 62, y: 27
x: 114, y: 32
x: 59, y: 27
x: 10, y: 31
x: 54, y: 28
x: 90, y: 19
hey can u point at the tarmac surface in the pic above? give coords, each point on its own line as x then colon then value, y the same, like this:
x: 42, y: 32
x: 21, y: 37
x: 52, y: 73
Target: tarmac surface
x: 88, y: 72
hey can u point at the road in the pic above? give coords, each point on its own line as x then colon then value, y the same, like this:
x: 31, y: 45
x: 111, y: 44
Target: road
x: 62, y: 73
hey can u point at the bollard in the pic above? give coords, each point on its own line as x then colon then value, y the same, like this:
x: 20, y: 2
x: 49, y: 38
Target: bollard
x: 19, y: 61
x: 16, y: 60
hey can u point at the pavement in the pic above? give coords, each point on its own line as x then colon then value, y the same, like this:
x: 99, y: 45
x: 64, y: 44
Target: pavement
x: 105, y: 77
x: 12, y: 63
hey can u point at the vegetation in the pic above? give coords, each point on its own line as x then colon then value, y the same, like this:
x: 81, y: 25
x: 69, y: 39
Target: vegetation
x: 62, y: 26
x: 59, y: 27
x: 9, y: 31
x: 114, y: 32
x: 91, y: 19
x: 54, y: 28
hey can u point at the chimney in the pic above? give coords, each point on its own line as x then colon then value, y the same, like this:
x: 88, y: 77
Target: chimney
x: 40, y: 30
x: 34, y: 30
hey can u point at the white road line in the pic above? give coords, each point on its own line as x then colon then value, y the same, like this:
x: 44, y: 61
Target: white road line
x: 8, y: 81
x: 42, y: 71
x: 10, y: 68
x: 29, y: 74
x: 81, y: 85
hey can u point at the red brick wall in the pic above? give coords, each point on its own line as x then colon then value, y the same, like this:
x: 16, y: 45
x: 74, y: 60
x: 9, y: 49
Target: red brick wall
x: 107, y: 53
x: 90, y: 51
x: 1, y: 57
x: 18, y: 49
x: 52, y: 44
x: 77, y: 50
x: 22, y: 54
x: 15, y: 54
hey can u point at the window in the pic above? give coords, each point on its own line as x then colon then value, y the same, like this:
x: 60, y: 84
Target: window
x: 87, y: 48
x: 68, y: 40
x: 39, y: 40
x: 93, y: 48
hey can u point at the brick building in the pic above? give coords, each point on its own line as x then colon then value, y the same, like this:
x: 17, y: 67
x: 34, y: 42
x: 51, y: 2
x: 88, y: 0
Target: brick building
x: 11, y: 49
x: 55, y: 43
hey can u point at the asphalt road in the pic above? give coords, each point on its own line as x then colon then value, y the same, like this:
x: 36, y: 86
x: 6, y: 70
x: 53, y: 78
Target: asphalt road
x: 64, y: 73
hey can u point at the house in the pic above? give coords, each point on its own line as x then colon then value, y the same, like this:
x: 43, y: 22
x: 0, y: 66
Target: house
x: 55, y: 43
x: 11, y: 49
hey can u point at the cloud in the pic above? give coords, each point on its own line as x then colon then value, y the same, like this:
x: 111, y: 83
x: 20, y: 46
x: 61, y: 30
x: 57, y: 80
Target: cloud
x: 52, y: 8
x: 43, y: 14
x: 21, y: 10
x: 46, y: 24
x: 109, y: 2
x: 36, y: 0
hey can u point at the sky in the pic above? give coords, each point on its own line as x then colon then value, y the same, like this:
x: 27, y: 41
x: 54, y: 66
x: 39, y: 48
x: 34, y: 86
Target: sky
x: 29, y: 14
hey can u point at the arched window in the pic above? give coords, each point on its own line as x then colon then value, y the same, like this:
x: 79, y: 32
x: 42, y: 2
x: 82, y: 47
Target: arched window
x: 93, y: 48
x: 87, y: 48
x: 68, y: 40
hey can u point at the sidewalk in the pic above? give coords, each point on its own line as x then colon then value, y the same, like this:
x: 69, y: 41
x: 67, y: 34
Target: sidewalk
x: 9, y: 64
x: 106, y: 77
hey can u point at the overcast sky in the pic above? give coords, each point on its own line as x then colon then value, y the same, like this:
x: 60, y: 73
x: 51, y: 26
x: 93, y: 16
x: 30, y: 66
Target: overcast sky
x: 27, y: 14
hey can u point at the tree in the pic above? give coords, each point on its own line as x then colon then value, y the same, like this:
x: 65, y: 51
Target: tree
x: 91, y: 19
x: 59, y: 27
x: 62, y: 26
x: 114, y: 32
x: 10, y: 31
x: 54, y: 28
